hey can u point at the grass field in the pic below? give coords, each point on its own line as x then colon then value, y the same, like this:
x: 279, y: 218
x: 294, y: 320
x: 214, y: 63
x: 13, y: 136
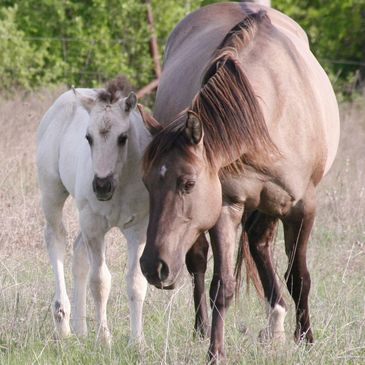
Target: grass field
x: 336, y: 262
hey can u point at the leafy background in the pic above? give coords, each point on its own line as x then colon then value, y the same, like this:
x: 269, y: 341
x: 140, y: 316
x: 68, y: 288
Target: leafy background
x: 53, y: 42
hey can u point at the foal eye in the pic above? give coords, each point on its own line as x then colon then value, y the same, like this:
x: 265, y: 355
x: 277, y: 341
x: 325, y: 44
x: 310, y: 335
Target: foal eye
x: 89, y: 139
x: 122, y: 139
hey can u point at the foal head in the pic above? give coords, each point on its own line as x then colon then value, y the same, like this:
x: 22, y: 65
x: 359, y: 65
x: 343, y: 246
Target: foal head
x: 107, y: 134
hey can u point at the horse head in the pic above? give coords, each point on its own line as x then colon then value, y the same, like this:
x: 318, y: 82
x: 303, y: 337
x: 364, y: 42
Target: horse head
x: 185, y: 198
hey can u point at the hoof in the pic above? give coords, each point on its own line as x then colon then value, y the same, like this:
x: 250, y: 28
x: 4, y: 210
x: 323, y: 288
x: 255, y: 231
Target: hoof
x: 303, y: 337
x: 136, y: 342
x: 79, y: 328
x: 104, y: 337
x: 202, y: 332
x: 268, y: 337
x: 216, y: 357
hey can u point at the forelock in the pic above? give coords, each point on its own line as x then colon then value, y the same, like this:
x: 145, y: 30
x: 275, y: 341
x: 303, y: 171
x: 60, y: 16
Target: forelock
x: 114, y: 90
x: 170, y: 137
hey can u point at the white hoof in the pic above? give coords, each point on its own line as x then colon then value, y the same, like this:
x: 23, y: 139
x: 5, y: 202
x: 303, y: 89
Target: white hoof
x: 268, y: 337
x: 104, y: 337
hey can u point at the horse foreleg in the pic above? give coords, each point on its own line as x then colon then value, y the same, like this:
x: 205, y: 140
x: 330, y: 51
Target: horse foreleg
x: 93, y: 230
x: 196, y: 263
x: 297, y: 228
x: 55, y: 237
x: 136, y: 284
x: 80, y: 271
x: 261, y: 231
x: 223, y: 238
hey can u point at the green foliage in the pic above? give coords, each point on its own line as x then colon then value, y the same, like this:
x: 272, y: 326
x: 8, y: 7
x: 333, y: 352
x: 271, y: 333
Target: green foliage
x: 82, y: 43
x: 336, y: 33
x: 45, y: 42
x: 18, y: 61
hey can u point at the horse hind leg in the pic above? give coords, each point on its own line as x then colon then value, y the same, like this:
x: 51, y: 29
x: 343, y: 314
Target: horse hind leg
x: 261, y: 231
x: 196, y: 263
x: 297, y: 228
x: 55, y: 237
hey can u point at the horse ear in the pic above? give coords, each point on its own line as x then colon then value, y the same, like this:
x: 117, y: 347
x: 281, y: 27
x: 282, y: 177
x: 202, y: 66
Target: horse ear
x: 130, y: 102
x: 193, y: 128
x: 149, y: 121
x: 86, y: 101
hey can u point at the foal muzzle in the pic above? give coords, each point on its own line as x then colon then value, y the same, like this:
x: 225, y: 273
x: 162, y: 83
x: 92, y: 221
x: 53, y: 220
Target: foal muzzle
x: 103, y: 187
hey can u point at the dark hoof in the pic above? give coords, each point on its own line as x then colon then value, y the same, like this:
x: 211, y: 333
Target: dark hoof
x: 202, y: 332
x: 303, y: 337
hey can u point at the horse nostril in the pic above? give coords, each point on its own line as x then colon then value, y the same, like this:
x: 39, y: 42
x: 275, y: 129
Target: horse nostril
x: 162, y: 271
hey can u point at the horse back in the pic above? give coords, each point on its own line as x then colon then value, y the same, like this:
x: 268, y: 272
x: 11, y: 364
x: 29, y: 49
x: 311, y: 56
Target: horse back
x: 293, y: 91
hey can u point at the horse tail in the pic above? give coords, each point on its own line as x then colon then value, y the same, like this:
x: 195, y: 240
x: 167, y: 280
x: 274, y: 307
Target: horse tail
x: 244, y: 255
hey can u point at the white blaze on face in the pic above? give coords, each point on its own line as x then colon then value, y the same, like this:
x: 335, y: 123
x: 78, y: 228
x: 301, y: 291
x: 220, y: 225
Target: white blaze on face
x: 163, y: 170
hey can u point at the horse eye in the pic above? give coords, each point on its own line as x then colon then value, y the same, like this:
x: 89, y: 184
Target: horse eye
x: 122, y: 139
x: 89, y: 139
x: 188, y: 186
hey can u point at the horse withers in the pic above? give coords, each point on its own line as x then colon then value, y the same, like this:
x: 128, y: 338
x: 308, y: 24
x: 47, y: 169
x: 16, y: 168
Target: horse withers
x: 90, y: 144
x: 250, y: 127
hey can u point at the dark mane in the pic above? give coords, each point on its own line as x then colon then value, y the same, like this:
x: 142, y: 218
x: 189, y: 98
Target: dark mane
x: 233, y: 123
x: 114, y: 89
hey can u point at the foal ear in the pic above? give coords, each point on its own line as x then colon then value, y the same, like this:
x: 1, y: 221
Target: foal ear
x: 86, y: 101
x: 130, y: 102
x: 193, y: 128
x: 149, y: 121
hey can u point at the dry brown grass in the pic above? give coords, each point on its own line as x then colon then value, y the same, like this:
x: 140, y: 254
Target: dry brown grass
x: 336, y: 260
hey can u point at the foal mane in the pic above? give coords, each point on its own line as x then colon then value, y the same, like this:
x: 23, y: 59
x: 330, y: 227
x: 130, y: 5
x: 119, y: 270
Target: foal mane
x: 233, y: 123
x: 114, y: 89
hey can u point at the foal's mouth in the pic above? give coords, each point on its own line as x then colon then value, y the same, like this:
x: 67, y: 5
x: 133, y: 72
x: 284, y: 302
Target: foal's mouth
x: 104, y: 197
x: 165, y: 287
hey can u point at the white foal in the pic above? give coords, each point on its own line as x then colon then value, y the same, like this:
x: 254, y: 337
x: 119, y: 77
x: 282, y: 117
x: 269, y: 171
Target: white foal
x: 90, y: 144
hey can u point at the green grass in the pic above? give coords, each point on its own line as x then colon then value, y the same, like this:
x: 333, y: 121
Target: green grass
x: 336, y: 260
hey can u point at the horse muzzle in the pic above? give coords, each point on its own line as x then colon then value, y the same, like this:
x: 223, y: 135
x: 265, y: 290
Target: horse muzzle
x: 103, y: 187
x: 157, y: 273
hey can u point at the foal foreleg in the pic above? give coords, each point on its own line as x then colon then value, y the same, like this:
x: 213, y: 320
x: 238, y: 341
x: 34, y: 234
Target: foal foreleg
x: 93, y: 231
x: 136, y: 285
x: 223, y: 237
x: 196, y: 263
x: 80, y: 271
x: 261, y: 231
x: 297, y: 228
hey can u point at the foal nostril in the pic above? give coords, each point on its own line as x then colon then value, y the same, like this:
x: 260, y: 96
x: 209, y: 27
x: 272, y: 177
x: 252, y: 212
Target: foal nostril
x: 162, y: 271
x: 103, y: 184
